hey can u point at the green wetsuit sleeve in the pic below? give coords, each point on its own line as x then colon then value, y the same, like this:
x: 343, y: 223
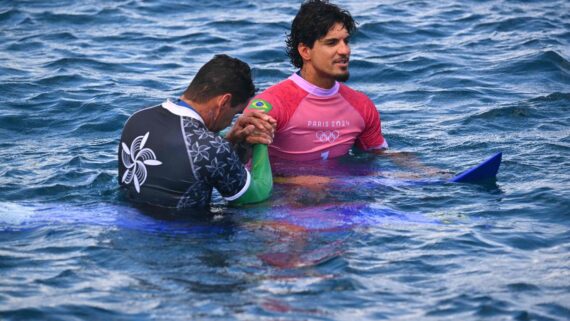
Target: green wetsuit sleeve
x: 261, y: 178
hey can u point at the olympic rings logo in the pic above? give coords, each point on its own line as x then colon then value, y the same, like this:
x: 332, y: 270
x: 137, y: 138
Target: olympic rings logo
x: 327, y: 136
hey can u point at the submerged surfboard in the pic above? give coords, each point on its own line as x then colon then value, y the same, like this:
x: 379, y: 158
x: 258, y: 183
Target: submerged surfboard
x: 485, y: 171
x: 312, y: 218
x: 317, y: 218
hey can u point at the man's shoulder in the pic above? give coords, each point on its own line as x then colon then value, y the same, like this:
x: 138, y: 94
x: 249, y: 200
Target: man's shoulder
x: 354, y: 96
x: 285, y: 88
x: 145, y: 112
x: 140, y: 117
x: 285, y: 95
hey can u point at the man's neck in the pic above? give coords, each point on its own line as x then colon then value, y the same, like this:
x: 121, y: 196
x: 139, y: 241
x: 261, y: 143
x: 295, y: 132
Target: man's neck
x: 201, y: 109
x: 310, y: 75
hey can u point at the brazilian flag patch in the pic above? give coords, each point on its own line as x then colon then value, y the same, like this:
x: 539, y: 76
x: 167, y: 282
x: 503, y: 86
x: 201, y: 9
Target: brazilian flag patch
x: 260, y: 104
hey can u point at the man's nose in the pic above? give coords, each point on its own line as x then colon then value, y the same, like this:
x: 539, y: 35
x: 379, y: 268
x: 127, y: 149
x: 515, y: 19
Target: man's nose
x: 344, y: 48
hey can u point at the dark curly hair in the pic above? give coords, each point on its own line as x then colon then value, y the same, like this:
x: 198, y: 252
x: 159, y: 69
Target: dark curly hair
x: 312, y: 22
x: 222, y: 74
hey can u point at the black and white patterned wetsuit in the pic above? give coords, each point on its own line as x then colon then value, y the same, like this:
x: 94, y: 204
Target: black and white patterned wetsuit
x: 168, y: 157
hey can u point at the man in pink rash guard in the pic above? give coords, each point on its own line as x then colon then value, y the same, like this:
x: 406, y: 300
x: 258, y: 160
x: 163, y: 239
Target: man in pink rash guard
x: 319, y: 117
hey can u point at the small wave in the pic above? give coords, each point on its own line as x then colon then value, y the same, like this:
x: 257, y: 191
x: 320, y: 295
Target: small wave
x: 516, y: 24
x: 526, y: 241
x: 81, y: 16
x: 23, y: 123
x: 28, y: 46
x: 124, y: 37
x: 13, y: 175
x: 64, y: 279
x: 546, y: 61
x: 74, y: 162
x: 265, y: 77
x: 14, y: 72
x: 59, y: 310
x: 261, y: 25
x: 231, y: 23
x: 265, y: 55
x: 372, y: 29
x: 243, y: 25
x: 55, y: 36
x: 554, y: 97
x: 70, y: 178
x: 109, y: 15
x: 152, y: 41
x: 98, y: 126
x: 204, y: 38
x: 66, y: 36
x: 72, y: 80
x: 165, y: 49
x: 470, y: 17
x: 65, y: 18
x: 167, y: 8
x: 74, y: 63
x: 532, y: 110
x: 522, y: 287
x: 400, y: 32
x: 12, y: 17
x: 386, y: 73
x: 495, y: 120
x: 66, y: 185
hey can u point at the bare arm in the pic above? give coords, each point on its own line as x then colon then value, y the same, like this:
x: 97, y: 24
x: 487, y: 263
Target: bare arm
x: 410, y: 160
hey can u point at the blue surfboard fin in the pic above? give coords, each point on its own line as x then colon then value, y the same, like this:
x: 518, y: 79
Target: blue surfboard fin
x: 485, y: 171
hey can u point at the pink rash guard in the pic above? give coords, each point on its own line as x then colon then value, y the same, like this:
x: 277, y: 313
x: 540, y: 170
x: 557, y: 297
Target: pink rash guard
x: 315, y: 123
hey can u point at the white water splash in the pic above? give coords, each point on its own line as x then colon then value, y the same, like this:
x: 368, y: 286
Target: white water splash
x: 15, y: 214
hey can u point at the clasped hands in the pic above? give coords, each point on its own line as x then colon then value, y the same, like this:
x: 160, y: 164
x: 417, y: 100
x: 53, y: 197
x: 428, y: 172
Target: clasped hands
x: 255, y: 127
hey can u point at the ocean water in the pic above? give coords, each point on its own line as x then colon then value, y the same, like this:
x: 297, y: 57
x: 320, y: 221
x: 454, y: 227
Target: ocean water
x: 454, y: 81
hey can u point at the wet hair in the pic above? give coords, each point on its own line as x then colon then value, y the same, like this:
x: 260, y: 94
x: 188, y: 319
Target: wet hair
x: 313, y: 21
x: 222, y: 75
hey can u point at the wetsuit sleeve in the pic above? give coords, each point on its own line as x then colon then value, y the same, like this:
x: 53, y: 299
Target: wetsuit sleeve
x: 216, y: 162
x: 371, y: 137
x: 261, y: 184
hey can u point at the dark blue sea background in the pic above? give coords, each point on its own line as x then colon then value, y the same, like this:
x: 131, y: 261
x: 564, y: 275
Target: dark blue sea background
x: 454, y: 81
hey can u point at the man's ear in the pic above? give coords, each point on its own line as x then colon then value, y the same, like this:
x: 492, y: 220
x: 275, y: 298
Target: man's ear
x: 225, y: 101
x: 304, y: 51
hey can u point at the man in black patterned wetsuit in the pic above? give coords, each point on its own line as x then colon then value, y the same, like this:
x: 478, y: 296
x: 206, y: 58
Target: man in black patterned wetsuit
x: 171, y: 156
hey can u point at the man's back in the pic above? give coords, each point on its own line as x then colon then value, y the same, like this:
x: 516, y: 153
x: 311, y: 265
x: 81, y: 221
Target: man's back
x: 168, y: 157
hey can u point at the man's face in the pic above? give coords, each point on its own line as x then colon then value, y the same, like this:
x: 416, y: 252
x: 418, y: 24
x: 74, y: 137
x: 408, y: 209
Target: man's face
x: 330, y: 54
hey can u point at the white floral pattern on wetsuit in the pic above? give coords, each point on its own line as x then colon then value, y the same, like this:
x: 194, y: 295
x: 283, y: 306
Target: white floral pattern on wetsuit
x: 134, y: 159
x: 214, y: 164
